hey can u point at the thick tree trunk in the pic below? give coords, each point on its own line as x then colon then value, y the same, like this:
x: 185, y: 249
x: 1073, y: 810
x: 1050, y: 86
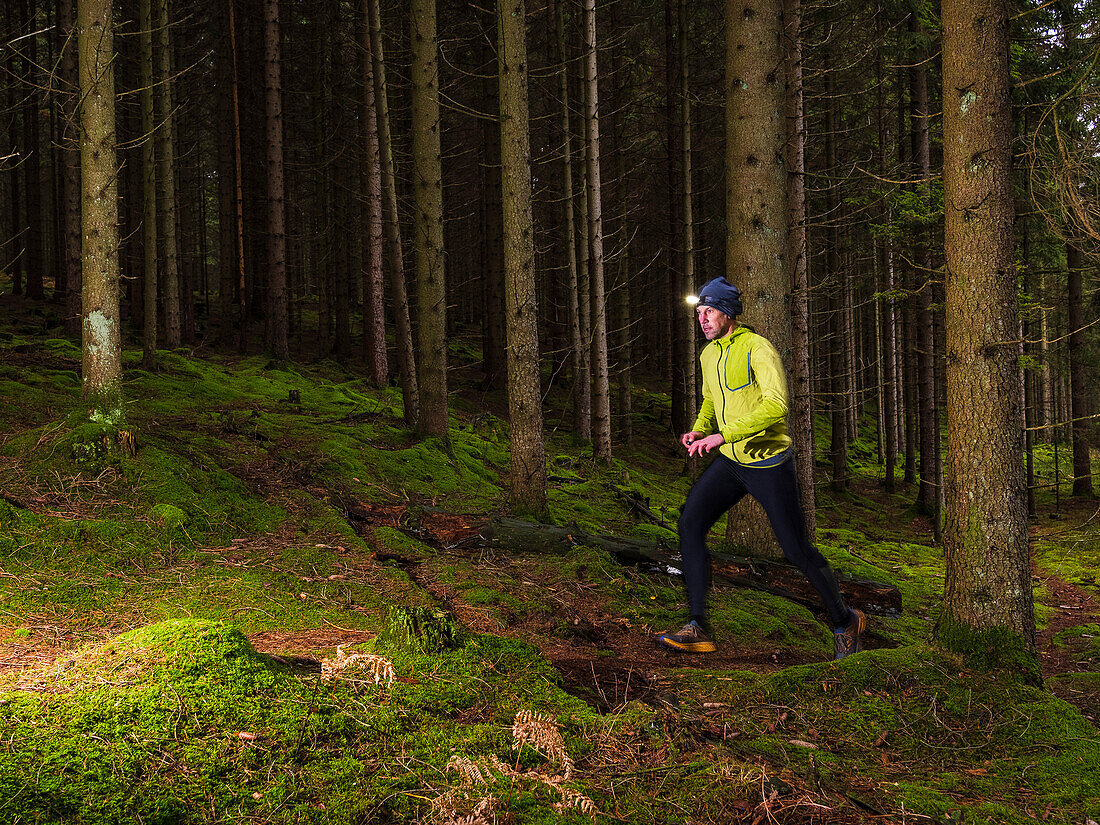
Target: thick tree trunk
x: 428, y: 220
x: 391, y: 228
x: 101, y: 363
x: 524, y: 390
x: 601, y: 389
x: 988, y: 611
x: 756, y: 201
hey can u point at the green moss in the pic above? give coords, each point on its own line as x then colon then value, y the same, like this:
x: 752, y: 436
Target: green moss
x: 990, y: 648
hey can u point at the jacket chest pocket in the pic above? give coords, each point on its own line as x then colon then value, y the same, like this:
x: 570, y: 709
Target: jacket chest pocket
x: 735, y: 371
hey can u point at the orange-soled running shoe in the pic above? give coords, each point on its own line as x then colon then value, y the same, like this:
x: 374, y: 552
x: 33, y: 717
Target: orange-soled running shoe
x: 688, y: 639
x: 849, y: 640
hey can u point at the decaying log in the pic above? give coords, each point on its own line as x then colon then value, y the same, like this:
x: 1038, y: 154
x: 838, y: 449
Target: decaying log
x: 777, y: 577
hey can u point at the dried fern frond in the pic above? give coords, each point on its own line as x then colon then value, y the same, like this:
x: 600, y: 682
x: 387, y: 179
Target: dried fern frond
x: 469, y: 772
x: 575, y: 800
x: 379, y: 668
x: 540, y: 732
x: 453, y: 809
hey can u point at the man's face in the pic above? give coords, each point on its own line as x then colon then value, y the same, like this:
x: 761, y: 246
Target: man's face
x: 714, y: 323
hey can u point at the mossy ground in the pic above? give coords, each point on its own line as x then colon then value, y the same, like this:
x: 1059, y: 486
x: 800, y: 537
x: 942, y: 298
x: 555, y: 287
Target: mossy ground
x: 162, y: 617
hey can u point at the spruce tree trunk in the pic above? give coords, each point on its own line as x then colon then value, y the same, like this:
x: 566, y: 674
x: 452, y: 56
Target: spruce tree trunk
x: 988, y: 613
x: 342, y: 294
x: 582, y: 385
x: 276, y: 184
x: 70, y: 182
x: 166, y: 174
x: 391, y: 228
x: 374, y: 276
x: 756, y: 201
x: 927, y: 418
x: 1078, y: 388
x: 840, y: 374
x: 101, y: 343
x: 801, y: 424
x: 528, y: 493
x: 227, y: 221
x: 240, y: 289
x: 494, y: 332
x: 887, y: 325
x: 601, y: 389
x: 687, y: 214
x: 35, y: 259
x: 428, y: 220
x: 683, y: 327
x: 148, y: 190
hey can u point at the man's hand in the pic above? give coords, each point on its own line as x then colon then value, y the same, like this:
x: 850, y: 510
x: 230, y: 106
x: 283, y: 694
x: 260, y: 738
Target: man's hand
x: 705, y: 445
x: 687, y: 438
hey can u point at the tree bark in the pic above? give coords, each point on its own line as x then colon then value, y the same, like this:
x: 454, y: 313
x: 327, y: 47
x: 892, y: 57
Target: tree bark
x: 683, y: 327
x: 374, y: 276
x: 36, y: 262
x: 601, y: 389
x: 101, y: 344
x: 988, y: 613
x: 14, y: 257
x: 166, y: 174
x: 887, y: 325
x: 148, y: 190
x: 428, y: 220
x: 391, y: 228
x: 801, y: 394
x: 276, y: 184
x: 70, y: 182
x: 927, y: 418
x: 528, y: 491
x: 756, y: 201
x: 840, y: 375
x: 1078, y: 382
x: 582, y: 384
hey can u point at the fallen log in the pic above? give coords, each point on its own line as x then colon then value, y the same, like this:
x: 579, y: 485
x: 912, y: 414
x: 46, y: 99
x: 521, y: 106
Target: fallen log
x: 772, y: 576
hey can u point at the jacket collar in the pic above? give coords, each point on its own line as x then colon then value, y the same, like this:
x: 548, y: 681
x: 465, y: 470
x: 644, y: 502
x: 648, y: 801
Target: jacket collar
x: 727, y: 341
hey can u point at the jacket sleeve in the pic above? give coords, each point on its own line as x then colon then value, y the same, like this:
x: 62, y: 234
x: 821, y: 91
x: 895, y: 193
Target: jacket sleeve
x: 769, y: 376
x: 706, y: 421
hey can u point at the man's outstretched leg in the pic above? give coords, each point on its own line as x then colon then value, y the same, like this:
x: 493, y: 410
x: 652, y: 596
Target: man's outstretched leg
x: 776, y: 488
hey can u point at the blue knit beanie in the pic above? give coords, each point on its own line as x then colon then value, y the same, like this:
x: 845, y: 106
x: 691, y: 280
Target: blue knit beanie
x: 722, y: 295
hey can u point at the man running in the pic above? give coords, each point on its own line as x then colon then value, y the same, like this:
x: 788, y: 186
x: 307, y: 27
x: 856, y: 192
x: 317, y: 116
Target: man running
x: 744, y: 417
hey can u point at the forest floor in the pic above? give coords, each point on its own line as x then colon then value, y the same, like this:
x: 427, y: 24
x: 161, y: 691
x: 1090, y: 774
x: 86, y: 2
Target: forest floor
x: 171, y: 622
